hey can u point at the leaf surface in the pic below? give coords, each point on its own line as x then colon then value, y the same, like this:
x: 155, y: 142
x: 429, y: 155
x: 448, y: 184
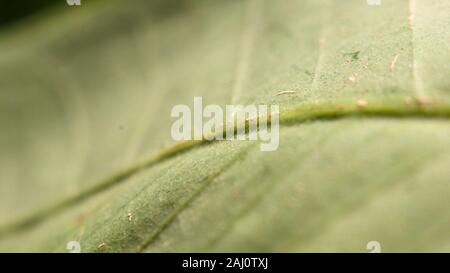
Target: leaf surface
x: 84, y: 99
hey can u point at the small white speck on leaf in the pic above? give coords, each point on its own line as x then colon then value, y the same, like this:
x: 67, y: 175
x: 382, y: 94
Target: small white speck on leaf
x: 288, y: 92
x: 101, y: 245
x: 361, y: 103
x: 393, y: 62
x: 352, y: 78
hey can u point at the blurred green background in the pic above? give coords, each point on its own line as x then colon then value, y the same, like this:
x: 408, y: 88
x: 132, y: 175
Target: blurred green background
x: 13, y: 11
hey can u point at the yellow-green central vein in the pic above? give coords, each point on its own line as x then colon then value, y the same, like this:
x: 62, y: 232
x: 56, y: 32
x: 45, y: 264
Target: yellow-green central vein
x: 289, y: 115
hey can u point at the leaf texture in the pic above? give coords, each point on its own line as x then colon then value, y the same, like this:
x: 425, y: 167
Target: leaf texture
x: 84, y: 99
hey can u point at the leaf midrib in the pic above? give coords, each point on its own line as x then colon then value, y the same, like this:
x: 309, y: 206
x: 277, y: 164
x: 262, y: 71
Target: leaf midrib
x: 292, y: 115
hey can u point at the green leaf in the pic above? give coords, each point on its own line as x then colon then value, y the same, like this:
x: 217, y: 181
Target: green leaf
x: 364, y: 140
